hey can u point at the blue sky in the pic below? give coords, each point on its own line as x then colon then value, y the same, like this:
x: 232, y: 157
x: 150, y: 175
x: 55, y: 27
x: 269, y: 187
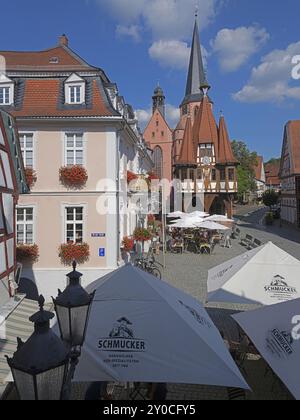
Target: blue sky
x: 249, y: 46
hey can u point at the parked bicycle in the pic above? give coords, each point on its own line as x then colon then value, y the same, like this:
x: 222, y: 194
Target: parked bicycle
x: 148, y: 265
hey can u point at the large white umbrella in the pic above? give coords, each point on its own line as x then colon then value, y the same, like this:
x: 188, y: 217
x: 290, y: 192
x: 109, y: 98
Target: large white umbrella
x: 266, y: 275
x: 219, y: 218
x: 188, y: 223
x: 197, y: 213
x: 274, y: 330
x: 143, y: 330
x: 176, y: 214
x: 207, y: 224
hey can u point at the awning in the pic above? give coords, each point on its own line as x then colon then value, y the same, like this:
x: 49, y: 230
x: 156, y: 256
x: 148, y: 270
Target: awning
x: 16, y: 325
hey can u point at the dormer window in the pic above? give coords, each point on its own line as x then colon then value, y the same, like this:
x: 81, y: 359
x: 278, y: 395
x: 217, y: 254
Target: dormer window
x: 6, y: 91
x: 75, y: 90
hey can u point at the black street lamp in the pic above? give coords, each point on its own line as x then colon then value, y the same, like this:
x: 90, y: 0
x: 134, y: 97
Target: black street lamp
x: 40, y: 365
x: 44, y: 366
x: 72, y: 308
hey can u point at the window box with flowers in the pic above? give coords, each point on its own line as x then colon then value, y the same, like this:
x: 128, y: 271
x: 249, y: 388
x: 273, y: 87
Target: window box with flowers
x: 71, y: 252
x: 31, y: 177
x: 73, y: 176
x: 27, y: 254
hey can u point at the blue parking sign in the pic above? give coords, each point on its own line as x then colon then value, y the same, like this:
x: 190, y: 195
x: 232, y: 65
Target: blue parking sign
x: 101, y: 252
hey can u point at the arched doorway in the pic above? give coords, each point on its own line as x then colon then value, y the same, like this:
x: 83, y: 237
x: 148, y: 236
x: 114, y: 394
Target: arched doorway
x: 218, y: 206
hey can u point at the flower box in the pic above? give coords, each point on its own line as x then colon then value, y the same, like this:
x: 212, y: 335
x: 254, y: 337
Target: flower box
x: 71, y: 252
x: 27, y: 253
x: 31, y: 177
x: 73, y: 176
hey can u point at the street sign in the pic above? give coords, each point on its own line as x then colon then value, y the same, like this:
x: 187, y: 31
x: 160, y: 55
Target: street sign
x: 98, y: 235
x: 101, y: 252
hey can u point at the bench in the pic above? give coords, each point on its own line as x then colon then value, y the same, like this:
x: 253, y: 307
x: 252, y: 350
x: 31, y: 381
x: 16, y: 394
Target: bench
x: 247, y: 241
x: 257, y: 243
x: 236, y: 234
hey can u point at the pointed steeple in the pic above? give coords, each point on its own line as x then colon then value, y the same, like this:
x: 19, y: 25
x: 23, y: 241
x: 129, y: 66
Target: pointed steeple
x: 205, y: 130
x: 196, y: 77
x: 187, y: 156
x: 226, y: 155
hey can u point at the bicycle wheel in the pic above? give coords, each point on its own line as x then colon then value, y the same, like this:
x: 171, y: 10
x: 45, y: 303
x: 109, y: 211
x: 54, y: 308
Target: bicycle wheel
x: 155, y: 272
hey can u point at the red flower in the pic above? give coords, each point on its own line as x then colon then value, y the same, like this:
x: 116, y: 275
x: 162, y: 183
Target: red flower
x: 151, y: 219
x: 131, y: 177
x: 142, y: 235
x: 27, y: 253
x: 31, y: 177
x: 73, y: 176
x: 128, y: 244
x: 74, y: 252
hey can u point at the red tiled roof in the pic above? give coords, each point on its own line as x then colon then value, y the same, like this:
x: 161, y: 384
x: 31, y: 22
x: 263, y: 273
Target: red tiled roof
x: 225, y: 150
x: 65, y: 59
x: 41, y: 99
x: 293, y: 128
x: 272, y: 173
x: 259, y: 167
x: 187, y: 155
x: 205, y: 128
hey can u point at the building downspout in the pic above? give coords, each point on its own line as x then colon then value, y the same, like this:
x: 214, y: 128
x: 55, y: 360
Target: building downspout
x: 118, y: 156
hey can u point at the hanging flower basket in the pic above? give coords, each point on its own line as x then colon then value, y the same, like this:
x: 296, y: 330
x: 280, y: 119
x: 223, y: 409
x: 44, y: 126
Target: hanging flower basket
x: 131, y: 177
x: 31, y: 177
x: 142, y: 235
x: 73, y: 176
x: 74, y: 252
x: 151, y: 220
x: 27, y: 253
x: 128, y: 244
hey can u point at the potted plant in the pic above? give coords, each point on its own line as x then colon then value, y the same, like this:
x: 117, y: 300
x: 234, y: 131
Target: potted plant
x: 142, y: 235
x: 31, y: 177
x: 27, y: 254
x: 71, y: 251
x: 73, y: 176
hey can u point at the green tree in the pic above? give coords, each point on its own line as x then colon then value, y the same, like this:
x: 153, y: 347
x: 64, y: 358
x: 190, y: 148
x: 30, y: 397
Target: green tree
x: 270, y: 198
x: 246, y: 170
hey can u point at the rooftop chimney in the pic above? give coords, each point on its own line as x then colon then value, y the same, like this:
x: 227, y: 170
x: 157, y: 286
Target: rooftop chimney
x: 63, y: 40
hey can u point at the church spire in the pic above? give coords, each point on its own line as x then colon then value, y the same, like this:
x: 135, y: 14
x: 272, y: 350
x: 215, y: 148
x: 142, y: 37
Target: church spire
x: 158, y: 100
x: 196, y: 77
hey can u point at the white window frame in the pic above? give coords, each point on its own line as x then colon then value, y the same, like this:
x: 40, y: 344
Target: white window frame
x: 75, y: 148
x: 5, y: 94
x: 6, y: 83
x: 74, y: 222
x: 24, y: 134
x: 77, y: 88
x: 26, y: 223
x: 74, y: 81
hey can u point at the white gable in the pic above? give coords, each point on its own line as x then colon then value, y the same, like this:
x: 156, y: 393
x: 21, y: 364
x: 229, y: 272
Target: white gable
x: 74, y: 78
x: 4, y: 79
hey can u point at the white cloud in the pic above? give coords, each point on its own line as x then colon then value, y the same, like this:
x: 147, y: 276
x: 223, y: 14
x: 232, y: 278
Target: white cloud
x: 270, y: 81
x: 132, y: 31
x: 234, y: 47
x: 165, y: 19
x: 172, y: 115
x: 174, y: 54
